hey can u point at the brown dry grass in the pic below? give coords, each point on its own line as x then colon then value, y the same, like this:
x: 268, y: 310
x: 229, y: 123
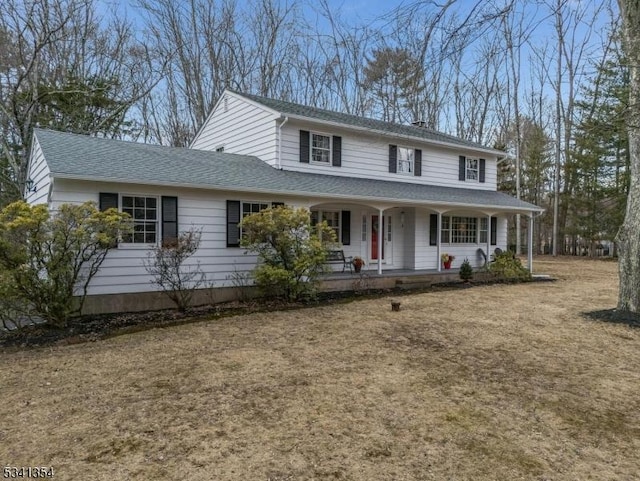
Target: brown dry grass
x: 497, y: 382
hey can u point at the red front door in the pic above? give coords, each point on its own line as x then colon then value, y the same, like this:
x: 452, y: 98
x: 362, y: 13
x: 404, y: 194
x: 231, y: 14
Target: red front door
x: 374, y: 237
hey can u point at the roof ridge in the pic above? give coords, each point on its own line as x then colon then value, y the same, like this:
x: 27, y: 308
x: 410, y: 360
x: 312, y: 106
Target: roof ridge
x: 418, y: 131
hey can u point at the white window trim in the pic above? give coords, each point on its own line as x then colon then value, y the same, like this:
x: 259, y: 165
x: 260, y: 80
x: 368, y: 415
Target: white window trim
x: 413, y: 161
x: 142, y: 245
x: 324, y: 134
x: 467, y: 169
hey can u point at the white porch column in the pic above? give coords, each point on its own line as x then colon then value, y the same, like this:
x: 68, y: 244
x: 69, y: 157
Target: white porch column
x: 380, y: 239
x: 489, y: 238
x: 439, y: 240
x: 530, y: 244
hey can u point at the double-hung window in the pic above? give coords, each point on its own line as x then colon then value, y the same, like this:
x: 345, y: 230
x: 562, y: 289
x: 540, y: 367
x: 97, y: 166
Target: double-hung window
x: 320, y: 148
x: 332, y: 218
x: 144, y: 212
x: 472, y: 169
x: 405, y: 160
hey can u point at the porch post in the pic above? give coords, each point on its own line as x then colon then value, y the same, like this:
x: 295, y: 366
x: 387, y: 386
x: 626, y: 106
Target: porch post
x: 530, y: 244
x: 439, y: 240
x: 489, y: 239
x: 380, y: 239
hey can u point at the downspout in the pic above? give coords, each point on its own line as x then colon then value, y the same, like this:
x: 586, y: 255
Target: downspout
x: 279, y: 160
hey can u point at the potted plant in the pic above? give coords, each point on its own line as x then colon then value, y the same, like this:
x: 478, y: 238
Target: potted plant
x: 357, y: 262
x: 447, y: 259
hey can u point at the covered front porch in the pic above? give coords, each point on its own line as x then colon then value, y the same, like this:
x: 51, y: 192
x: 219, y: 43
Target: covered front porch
x: 412, y: 238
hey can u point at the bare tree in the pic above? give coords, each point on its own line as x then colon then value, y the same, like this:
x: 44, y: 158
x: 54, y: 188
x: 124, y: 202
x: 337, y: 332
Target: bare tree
x: 62, y: 68
x: 628, y: 239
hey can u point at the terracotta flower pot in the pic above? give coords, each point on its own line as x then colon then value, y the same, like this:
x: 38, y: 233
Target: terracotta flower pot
x: 447, y: 265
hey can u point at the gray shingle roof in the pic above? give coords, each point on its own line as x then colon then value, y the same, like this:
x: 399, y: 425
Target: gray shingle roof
x: 289, y: 108
x: 90, y: 158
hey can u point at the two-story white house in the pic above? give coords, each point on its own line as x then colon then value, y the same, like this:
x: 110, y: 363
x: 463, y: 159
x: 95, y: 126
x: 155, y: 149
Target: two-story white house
x: 397, y: 195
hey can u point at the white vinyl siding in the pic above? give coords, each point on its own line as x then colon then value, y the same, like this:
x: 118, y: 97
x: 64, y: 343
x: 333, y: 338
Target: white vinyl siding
x: 366, y: 155
x: 123, y: 270
x: 39, y: 173
x: 242, y: 128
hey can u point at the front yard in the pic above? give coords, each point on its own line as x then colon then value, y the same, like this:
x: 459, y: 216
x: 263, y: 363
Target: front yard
x: 499, y: 382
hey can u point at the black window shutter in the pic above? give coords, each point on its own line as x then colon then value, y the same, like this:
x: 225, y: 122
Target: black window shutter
x: 108, y: 201
x: 304, y: 146
x: 482, y: 167
x: 494, y: 231
x: 417, y: 161
x: 393, y: 158
x: 346, y: 227
x: 433, y: 229
x: 336, y: 160
x: 169, y: 219
x: 276, y: 204
x: 233, y: 218
x: 462, y: 168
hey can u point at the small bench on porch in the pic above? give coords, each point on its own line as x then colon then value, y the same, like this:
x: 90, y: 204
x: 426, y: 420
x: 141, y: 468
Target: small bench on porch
x: 337, y: 257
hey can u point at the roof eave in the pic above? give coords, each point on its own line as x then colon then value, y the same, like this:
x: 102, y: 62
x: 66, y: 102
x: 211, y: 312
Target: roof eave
x: 510, y: 209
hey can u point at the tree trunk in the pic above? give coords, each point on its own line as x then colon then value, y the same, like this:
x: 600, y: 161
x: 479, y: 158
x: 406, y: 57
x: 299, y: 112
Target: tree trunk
x: 628, y: 237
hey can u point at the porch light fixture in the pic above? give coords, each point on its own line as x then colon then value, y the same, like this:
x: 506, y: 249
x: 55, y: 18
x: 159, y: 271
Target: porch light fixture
x: 402, y: 219
x: 31, y: 185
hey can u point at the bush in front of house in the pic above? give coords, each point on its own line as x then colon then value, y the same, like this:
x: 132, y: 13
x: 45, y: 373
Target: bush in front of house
x: 166, y: 264
x: 47, y: 261
x: 466, y: 271
x: 507, y: 266
x: 291, y: 251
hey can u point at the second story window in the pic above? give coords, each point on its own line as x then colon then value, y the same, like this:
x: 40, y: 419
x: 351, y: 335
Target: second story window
x: 472, y: 169
x: 405, y: 160
x: 320, y: 148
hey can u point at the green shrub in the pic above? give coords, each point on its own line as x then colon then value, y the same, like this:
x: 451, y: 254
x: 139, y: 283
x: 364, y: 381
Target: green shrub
x: 466, y: 271
x: 48, y: 261
x: 507, y: 266
x: 291, y: 251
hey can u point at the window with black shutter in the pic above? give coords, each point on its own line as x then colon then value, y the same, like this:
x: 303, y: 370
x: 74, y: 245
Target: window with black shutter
x: 482, y: 169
